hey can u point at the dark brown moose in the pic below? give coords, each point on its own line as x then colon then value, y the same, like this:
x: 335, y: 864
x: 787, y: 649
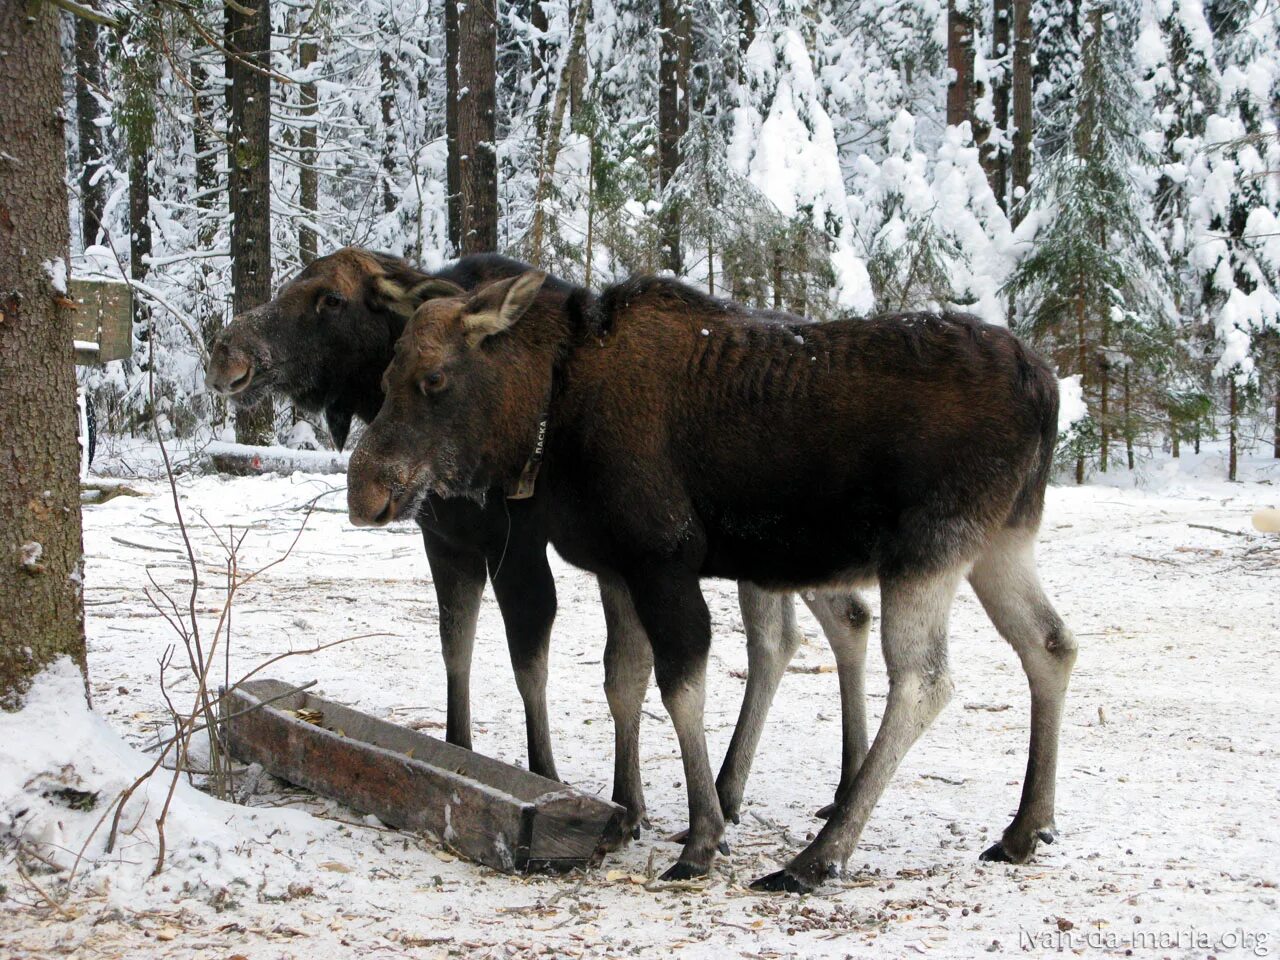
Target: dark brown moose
x: 684, y: 441
x: 324, y: 342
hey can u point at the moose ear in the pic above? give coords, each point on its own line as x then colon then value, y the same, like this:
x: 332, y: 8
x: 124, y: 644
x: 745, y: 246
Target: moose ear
x: 498, y: 306
x: 404, y: 297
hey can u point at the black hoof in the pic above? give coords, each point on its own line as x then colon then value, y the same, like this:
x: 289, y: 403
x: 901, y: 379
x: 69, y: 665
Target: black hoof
x: 995, y: 854
x: 1048, y: 834
x: 826, y: 812
x: 723, y: 847
x: 781, y: 882
x: 681, y: 870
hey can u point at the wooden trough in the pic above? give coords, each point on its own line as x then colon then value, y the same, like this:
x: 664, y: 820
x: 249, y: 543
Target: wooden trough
x: 489, y: 811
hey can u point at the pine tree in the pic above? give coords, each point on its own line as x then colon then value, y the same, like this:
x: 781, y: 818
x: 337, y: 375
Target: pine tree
x: 1094, y: 285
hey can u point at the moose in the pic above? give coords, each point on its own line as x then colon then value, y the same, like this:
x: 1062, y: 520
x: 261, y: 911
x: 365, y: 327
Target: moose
x: 325, y: 340
x: 681, y: 438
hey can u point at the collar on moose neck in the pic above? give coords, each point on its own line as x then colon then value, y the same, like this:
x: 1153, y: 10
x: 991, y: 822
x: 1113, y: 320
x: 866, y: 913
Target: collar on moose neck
x: 522, y: 488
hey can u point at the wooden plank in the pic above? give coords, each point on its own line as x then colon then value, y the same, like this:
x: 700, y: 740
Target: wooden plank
x: 489, y: 811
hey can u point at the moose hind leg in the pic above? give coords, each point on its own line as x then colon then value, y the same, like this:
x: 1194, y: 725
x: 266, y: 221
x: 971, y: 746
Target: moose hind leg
x: 769, y: 620
x: 1007, y: 585
x: 846, y: 621
x: 459, y: 577
x: 914, y: 613
x: 628, y: 662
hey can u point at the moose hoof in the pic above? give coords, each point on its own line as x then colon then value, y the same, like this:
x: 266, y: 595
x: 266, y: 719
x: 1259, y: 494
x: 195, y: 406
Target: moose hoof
x: 683, y: 870
x: 995, y: 854
x: 1047, y: 834
x: 781, y: 882
x: 826, y: 812
x: 622, y: 833
x: 683, y: 837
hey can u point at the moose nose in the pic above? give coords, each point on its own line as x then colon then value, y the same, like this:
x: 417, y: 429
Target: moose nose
x: 370, y: 504
x: 228, y: 375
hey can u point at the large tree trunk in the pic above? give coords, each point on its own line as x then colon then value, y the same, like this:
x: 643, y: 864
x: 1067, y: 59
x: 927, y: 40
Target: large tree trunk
x: 673, y: 116
x: 960, y: 60
x: 89, y: 135
x: 996, y: 162
x: 453, y: 170
x: 249, y: 187
x: 41, y: 551
x: 1020, y: 82
x: 476, y: 104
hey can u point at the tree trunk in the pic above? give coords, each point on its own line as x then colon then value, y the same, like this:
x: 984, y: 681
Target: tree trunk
x: 387, y: 102
x: 1128, y: 416
x: 746, y: 25
x: 960, y: 60
x: 206, y: 147
x: 539, y: 65
x: 1020, y: 83
x: 249, y: 186
x: 137, y: 116
x: 673, y: 117
x: 453, y: 170
x: 477, y: 133
x: 308, y: 176
x: 1275, y: 436
x: 550, y: 151
x: 89, y: 135
x: 1082, y: 356
x: 1233, y: 409
x: 41, y: 550
x: 996, y: 162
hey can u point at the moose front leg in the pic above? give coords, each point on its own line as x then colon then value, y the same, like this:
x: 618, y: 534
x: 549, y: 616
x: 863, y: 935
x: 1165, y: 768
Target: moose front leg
x: 671, y: 607
x: 526, y: 594
x: 459, y: 581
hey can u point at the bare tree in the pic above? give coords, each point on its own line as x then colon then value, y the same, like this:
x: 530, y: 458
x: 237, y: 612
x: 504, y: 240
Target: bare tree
x: 40, y: 541
x: 673, y: 115
x: 248, y: 41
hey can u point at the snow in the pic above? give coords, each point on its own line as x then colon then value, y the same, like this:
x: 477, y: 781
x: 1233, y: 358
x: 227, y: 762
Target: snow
x: 1166, y: 796
x: 56, y: 270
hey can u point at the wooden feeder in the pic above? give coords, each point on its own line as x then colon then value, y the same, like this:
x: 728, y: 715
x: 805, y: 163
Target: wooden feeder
x: 489, y: 811
x: 103, y: 320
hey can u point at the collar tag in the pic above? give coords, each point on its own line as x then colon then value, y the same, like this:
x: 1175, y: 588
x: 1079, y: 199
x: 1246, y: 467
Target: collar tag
x: 523, y: 488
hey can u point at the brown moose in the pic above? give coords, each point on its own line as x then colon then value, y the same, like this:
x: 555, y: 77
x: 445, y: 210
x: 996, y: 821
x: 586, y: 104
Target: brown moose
x: 324, y: 342
x: 683, y: 440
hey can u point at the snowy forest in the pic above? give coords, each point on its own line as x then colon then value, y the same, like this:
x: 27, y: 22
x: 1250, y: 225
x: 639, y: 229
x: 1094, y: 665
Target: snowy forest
x: 1099, y: 174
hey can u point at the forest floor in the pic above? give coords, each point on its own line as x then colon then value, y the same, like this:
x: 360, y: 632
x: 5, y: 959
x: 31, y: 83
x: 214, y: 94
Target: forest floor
x: 1167, y: 797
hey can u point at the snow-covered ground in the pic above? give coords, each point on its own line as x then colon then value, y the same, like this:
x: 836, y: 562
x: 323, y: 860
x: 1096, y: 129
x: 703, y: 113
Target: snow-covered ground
x: 1167, y: 799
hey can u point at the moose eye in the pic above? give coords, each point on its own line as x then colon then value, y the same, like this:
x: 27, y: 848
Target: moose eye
x: 333, y: 300
x: 432, y: 382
